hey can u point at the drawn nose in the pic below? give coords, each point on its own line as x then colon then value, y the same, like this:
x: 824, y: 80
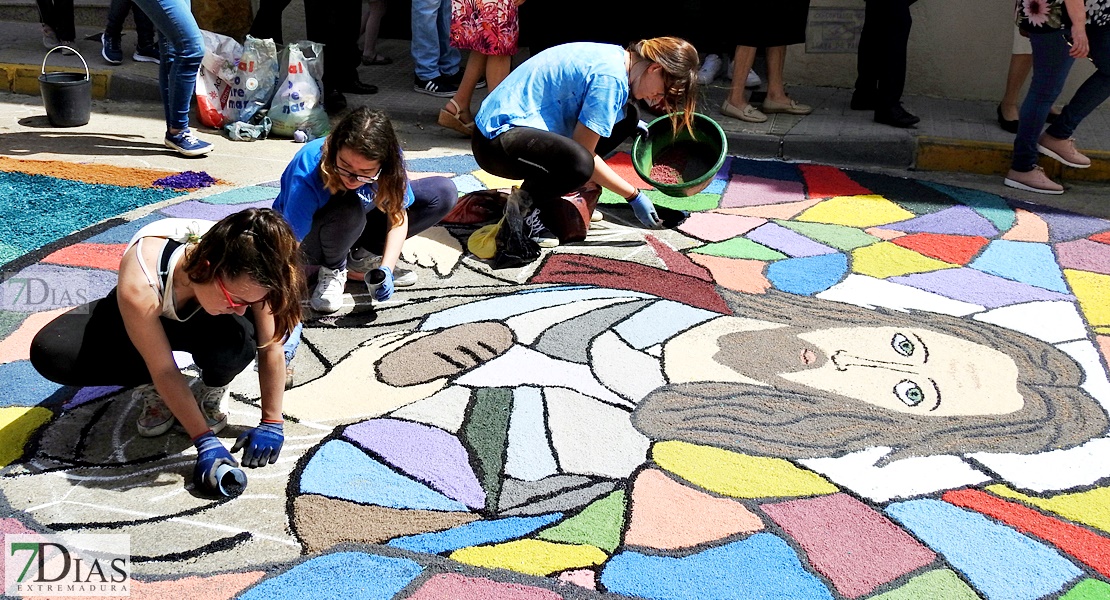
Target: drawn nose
x: 842, y: 360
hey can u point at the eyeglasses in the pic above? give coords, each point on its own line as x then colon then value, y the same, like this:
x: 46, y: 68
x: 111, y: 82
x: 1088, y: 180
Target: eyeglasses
x: 230, y: 302
x: 358, y: 178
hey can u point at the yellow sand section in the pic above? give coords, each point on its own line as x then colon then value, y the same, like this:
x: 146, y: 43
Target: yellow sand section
x: 738, y: 475
x: 856, y: 211
x: 885, y: 259
x: 17, y: 423
x: 1091, y: 507
x: 532, y: 557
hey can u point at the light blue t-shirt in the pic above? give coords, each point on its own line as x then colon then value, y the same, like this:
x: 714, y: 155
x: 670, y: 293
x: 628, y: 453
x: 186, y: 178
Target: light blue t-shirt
x: 556, y: 89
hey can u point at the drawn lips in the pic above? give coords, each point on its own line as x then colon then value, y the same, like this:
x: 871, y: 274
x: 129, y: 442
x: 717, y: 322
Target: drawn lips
x: 808, y: 356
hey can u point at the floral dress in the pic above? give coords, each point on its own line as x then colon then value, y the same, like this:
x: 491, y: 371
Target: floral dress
x: 1041, y: 16
x: 487, y: 26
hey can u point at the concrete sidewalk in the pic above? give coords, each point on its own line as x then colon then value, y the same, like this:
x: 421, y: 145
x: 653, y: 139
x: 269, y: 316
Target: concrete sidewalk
x: 954, y: 135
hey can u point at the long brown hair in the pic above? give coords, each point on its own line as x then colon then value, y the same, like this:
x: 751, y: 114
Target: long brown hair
x: 369, y: 133
x: 679, y: 60
x: 258, y: 243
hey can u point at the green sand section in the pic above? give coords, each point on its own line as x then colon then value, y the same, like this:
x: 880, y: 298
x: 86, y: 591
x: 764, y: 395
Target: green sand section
x: 739, y: 248
x: 9, y: 322
x: 599, y: 525
x: 691, y: 203
x: 36, y: 209
x: 841, y: 237
x: 934, y: 585
x: 1088, y: 589
x: 8, y: 253
x: 486, y: 433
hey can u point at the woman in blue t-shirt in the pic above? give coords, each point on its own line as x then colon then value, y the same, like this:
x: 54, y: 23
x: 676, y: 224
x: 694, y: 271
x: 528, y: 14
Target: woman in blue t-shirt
x: 555, y: 116
x: 350, y: 204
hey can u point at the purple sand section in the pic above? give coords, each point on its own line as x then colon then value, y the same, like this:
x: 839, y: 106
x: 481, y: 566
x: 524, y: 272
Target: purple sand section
x: 425, y: 453
x: 857, y: 548
x: 194, y: 209
x: 1084, y: 255
x: 42, y: 287
x: 745, y: 190
x: 1063, y: 226
x: 976, y: 287
x: 958, y: 220
x: 88, y: 394
x: 788, y: 242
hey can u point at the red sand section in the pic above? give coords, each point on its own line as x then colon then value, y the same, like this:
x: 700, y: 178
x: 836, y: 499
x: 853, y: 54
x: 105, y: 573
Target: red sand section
x: 823, y: 181
x: 94, y: 256
x: 1090, y: 548
x: 955, y: 249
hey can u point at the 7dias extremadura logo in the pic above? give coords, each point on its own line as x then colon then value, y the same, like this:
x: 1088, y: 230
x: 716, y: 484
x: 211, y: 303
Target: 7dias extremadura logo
x: 67, y: 565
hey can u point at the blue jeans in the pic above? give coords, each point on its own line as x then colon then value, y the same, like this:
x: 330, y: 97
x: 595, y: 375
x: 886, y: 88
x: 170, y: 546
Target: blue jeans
x: 117, y: 12
x: 1092, y: 92
x: 431, y: 37
x: 1051, y: 65
x: 182, y: 48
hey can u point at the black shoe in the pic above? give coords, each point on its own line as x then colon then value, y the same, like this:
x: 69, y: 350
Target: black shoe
x: 360, y: 88
x: 334, y: 102
x: 862, y: 101
x: 457, y: 80
x: 440, y: 87
x: 896, y: 116
x: 1010, y: 126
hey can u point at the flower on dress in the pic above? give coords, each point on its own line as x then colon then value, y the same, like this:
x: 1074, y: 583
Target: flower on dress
x: 1036, y: 11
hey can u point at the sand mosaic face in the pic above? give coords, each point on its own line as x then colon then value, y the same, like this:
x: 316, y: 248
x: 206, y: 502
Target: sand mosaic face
x: 825, y: 384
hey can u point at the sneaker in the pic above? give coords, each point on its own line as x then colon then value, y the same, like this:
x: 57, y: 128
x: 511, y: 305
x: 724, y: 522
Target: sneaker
x: 110, y: 49
x: 710, y: 68
x: 596, y: 216
x: 155, y: 418
x: 1063, y: 151
x: 539, y: 232
x: 368, y: 261
x: 328, y: 295
x: 187, y: 144
x: 1033, y: 181
x: 149, y: 54
x: 209, y: 400
x: 440, y: 87
x: 753, y: 80
x: 49, y: 38
x: 727, y: 74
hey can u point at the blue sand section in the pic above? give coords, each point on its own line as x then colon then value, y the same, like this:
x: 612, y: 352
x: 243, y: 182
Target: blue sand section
x: 767, y: 169
x: 243, y: 195
x: 343, y: 575
x: 468, y: 183
x: 992, y: 207
x: 36, y: 209
x: 21, y: 385
x: 808, y: 275
x: 341, y: 470
x: 1000, y: 562
x: 761, y: 567
x: 503, y: 307
x: 659, y: 321
x: 1027, y: 262
x: 457, y: 164
x: 121, y: 234
x: 474, y: 534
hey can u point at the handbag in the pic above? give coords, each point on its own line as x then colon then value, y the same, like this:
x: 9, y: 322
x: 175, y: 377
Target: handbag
x: 568, y: 216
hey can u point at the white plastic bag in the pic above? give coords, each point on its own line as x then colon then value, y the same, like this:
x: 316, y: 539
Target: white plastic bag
x: 298, y: 103
x: 254, y: 82
x: 217, y: 71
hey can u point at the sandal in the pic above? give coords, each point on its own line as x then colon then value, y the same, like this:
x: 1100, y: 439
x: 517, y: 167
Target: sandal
x: 377, y: 59
x: 455, y: 120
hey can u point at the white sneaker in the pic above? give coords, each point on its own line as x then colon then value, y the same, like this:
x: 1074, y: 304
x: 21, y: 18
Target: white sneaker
x: 710, y: 68
x: 753, y: 80
x: 49, y: 38
x: 155, y: 418
x: 538, y: 231
x: 728, y: 69
x: 369, y: 261
x: 209, y: 400
x: 328, y: 295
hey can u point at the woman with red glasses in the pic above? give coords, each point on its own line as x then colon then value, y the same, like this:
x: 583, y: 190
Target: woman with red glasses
x: 351, y: 205
x: 225, y: 292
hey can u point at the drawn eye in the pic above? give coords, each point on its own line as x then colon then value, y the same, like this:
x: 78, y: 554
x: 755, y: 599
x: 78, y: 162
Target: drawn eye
x: 902, y: 345
x: 909, y: 392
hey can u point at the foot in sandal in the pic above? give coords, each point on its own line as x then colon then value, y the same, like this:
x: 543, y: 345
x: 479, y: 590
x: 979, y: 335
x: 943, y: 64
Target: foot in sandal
x: 459, y: 120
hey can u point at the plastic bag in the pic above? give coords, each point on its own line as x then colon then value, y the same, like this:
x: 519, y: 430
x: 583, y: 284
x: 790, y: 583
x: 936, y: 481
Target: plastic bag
x: 254, y: 81
x: 483, y: 242
x: 515, y: 247
x: 214, y: 77
x: 298, y: 103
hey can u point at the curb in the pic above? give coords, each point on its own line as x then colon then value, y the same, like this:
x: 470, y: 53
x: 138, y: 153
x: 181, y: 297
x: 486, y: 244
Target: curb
x: 993, y: 158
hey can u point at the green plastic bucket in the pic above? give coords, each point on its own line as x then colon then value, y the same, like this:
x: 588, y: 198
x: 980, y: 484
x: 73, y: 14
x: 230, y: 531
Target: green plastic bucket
x: 684, y: 164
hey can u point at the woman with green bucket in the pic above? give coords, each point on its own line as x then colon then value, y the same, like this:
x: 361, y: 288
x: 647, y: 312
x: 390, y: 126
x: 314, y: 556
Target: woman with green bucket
x: 555, y: 117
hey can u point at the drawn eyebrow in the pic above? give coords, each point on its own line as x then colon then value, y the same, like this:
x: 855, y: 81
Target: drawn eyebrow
x: 923, y: 347
x: 937, y: 390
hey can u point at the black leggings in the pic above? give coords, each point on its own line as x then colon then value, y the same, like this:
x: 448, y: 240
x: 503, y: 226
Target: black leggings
x: 89, y: 346
x: 550, y: 165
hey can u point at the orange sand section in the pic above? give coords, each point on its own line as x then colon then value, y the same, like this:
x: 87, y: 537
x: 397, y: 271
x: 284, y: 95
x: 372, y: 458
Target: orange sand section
x: 884, y: 234
x: 739, y: 274
x: 1028, y: 228
x: 94, y: 256
x: 17, y: 346
x: 668, y: 515
x: 788, y: 210
x: 1104, y: 346
x: 88, y: 173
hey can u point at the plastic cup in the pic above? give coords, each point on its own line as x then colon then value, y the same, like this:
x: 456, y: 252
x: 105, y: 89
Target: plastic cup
x: 230, y: 481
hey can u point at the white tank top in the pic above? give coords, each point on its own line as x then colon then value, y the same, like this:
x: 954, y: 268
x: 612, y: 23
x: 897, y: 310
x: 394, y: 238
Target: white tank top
x: 177, y: 233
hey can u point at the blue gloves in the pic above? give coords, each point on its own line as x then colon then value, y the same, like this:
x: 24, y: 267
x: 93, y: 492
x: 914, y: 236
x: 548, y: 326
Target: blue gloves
x: 262, y: 444
x: 645, y: 211
x: 211, y: 455
x: 385, y: 288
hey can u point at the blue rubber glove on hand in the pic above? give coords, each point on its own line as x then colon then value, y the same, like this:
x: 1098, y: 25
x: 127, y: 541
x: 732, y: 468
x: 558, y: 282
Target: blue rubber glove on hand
x: 645, y: 211
x: 210, y: 455
x: 385, y: 290
x: 261, y: 444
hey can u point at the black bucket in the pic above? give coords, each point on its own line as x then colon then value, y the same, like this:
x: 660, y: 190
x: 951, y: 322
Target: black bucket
x: 66, y: 96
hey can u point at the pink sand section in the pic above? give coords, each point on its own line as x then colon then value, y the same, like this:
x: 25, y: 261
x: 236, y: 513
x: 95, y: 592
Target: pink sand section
x: 216, y: 587
x: 668, y: 515
x: 745, y: 190
x: 459, y: 587
x: 17, y: 346
x: 739, y: 274
x: 857, y: 548
x: 1028, y: 227
x: 580, y: 577
x: 773, y: 211
x: 716, y: 227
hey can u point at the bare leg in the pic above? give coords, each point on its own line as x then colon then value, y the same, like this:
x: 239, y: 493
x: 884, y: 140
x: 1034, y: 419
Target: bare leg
x: 475, y: 66
x: 776, y: 86
x: 497, y: 69
x: 744, y: 59
x: 1020, y: 67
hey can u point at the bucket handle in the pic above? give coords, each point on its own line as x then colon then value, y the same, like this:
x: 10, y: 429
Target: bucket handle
x: 74, y: 50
